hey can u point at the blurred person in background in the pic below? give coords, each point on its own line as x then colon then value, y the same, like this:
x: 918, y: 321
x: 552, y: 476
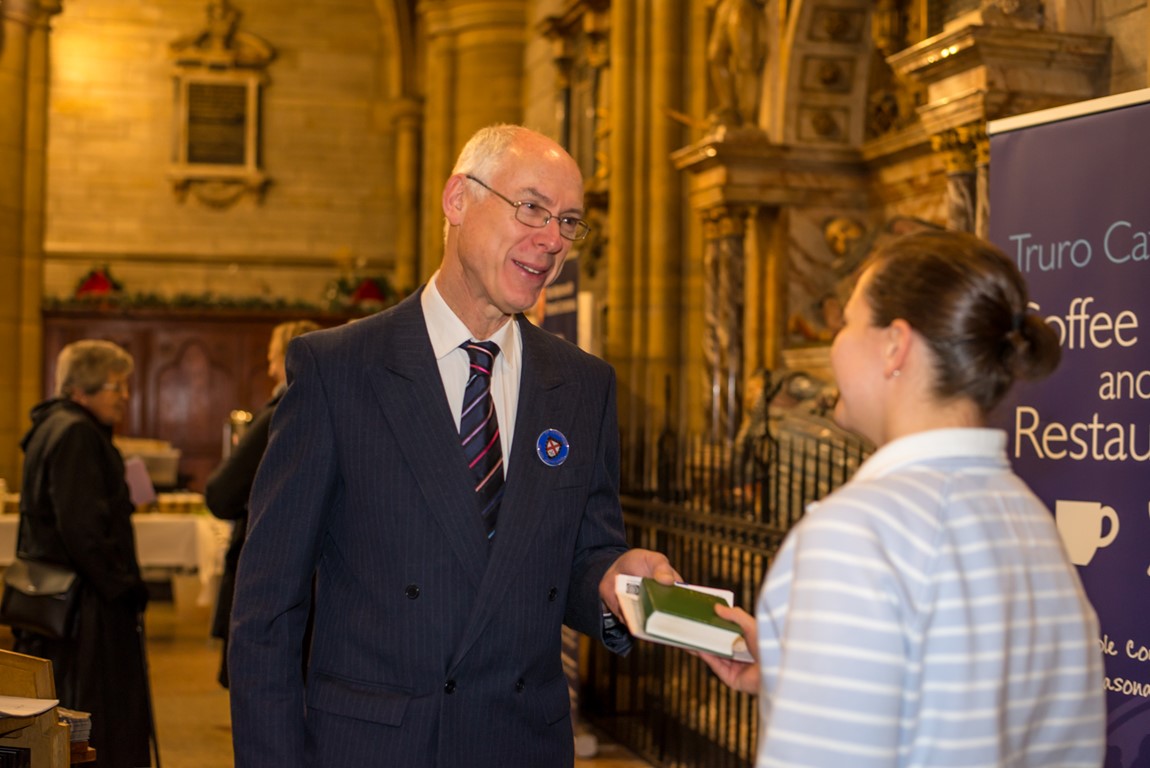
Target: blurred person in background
x: 230, y: 483
x: 75, y: 511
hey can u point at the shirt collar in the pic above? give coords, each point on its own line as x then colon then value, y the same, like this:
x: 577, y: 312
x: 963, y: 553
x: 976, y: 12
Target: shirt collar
x: 934, y: 444
x: 447, y: 331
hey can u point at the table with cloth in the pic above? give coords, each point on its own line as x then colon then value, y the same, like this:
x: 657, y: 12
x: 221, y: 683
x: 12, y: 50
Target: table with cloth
x: 179, y: 545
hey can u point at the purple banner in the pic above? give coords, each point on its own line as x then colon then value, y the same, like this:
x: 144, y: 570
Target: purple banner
x: 1070, y: 202
x: 560, y: 303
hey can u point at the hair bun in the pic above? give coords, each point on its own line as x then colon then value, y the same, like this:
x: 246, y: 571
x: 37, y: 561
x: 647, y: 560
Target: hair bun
x: 1032, y: 349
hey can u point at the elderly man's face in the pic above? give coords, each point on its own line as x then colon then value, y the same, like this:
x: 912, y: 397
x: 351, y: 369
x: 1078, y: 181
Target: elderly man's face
x: 500, y: 265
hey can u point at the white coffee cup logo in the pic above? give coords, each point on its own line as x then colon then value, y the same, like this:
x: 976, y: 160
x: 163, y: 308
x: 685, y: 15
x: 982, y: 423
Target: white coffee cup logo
x: 1085, y: 526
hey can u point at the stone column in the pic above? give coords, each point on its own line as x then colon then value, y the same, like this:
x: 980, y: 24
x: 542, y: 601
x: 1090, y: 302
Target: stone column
x: 563, y: 56
x: 724, y: 257
x: 621, y: 184
x: 957, y: 147
x: 407, y: 121
x: 23, y: 103
x: 764, y: 315
x: 982, y: 182
x: 438, y: 136
x: 658, y: 284
x: 475, y: 55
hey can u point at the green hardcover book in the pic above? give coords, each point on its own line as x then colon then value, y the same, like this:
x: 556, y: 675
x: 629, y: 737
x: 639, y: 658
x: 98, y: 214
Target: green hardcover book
x: 687, y: 616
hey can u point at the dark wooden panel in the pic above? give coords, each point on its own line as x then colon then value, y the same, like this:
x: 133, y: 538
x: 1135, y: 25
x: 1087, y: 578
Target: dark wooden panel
x: 192, y: 369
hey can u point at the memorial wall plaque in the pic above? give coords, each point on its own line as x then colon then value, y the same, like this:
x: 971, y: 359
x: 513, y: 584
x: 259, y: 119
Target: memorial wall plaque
x: 217, y: 124
x: 219, y: 72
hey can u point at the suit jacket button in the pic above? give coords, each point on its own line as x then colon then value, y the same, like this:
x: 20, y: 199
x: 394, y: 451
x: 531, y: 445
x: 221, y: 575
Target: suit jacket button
x: 412, y: 591
x: 449, y: 686
x: 554, y: 593
x: 520, y: 685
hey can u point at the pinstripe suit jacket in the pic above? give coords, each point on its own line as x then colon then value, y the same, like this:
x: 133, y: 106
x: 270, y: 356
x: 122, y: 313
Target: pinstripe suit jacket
x: 425, y: 635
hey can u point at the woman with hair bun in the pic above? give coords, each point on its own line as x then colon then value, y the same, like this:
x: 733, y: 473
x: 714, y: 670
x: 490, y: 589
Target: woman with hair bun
x: 925, y: 613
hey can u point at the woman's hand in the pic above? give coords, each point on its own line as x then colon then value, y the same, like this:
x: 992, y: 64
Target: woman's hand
x: 740, y: 675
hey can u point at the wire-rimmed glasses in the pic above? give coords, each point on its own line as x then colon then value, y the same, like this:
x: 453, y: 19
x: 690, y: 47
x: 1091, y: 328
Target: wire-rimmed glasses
x: 535, y: 215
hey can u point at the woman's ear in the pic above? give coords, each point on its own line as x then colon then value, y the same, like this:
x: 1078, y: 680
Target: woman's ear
x: 897, y: 343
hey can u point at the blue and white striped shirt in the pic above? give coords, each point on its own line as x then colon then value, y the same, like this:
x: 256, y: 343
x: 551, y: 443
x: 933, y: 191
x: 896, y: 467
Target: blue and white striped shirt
x: 925, y: 614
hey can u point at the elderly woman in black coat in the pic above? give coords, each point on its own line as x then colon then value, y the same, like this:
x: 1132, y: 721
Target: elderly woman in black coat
x: 75, y: 512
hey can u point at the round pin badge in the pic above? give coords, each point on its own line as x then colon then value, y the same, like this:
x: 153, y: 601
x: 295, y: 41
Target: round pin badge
x: 552, y: 447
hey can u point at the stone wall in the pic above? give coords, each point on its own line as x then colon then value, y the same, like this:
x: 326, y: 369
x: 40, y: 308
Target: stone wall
x: 326, y: 147
x: 1128, y: 23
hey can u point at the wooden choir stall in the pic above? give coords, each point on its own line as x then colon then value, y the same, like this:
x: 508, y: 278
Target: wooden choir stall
x: 46, y: 739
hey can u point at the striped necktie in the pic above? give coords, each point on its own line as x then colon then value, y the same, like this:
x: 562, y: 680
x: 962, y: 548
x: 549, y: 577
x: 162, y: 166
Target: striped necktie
x: 479, y: 431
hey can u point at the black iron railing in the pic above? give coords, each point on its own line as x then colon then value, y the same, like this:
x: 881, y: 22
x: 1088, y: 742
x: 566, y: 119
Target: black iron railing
x: 719, y: 510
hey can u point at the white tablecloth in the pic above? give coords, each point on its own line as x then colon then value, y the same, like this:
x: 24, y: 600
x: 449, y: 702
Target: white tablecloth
x: 181, y: 542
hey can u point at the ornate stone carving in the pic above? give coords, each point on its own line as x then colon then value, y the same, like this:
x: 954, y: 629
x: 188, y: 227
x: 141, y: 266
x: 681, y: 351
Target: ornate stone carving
x: 219, y: 73
x: 838, y: 25
x: 724, y: 266
x: 580, y: 40
x: 820, y: 273
x: 1022, y: 14
x: 737, y: 53
x: 1021, y: 70
x: 220, y: 45
x: 958, y: 148
x: 28, y: 11
x: 887, y: 27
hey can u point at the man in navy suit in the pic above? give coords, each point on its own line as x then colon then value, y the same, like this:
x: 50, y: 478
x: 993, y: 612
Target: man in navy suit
x: 436, y: 641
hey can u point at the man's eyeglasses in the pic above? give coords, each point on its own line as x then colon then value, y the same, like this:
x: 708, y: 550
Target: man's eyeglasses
x: 535, y: 215
x: 120, y: 387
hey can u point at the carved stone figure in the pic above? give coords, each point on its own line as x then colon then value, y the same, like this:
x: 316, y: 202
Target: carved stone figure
x: 737, y: 53
x: 820, y: 286
x: 222, y: 20
x: 220, y: 45
x: 1023, y: 14
x: 843, y: 234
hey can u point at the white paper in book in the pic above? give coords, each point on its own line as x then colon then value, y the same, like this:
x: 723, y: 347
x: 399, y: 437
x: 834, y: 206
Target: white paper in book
x: 627, y: 590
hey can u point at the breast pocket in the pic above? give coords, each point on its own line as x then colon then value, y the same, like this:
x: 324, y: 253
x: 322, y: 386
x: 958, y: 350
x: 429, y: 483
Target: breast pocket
x: 573, y: 476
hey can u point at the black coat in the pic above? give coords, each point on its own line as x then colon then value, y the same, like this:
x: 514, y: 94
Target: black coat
x: 226, y: 495
x: 75, y: 510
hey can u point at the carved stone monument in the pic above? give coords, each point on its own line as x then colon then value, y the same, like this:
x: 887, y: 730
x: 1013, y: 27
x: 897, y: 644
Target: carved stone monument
x: 737, y: 54
x: 219, y: 73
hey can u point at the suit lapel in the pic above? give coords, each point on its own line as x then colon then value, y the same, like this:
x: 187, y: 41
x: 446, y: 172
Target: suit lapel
x: 407, y: 383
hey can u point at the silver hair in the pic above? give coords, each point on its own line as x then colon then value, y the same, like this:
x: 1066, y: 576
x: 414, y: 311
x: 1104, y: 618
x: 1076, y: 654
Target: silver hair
x: 84, y: 366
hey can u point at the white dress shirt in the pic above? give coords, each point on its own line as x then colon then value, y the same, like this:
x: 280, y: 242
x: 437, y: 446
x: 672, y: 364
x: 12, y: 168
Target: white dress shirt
x: 447, y: 333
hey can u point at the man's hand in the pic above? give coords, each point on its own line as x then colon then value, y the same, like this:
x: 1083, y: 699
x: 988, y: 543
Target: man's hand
x: 636, y: 562
x: 740, y: 675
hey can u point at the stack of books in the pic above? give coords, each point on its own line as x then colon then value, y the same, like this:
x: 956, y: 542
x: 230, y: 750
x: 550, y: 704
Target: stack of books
x: 80, y: 726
